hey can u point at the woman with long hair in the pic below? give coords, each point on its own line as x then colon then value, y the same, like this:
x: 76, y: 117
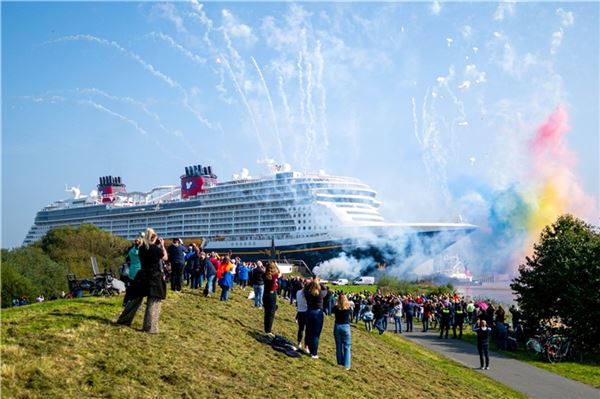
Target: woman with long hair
x: 225, y: 278
x: 270, y: 277
x: 149, y: 282
x: 341, y: 331
x: 301, y: 308
x: 314, y: 294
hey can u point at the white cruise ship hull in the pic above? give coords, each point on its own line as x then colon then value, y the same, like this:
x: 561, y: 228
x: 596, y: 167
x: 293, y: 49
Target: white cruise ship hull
x: 287, y: 215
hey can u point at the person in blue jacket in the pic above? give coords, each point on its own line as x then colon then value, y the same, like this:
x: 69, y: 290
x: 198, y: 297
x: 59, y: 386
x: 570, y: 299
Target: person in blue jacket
x: 243, y: 273
x: 176, y: 253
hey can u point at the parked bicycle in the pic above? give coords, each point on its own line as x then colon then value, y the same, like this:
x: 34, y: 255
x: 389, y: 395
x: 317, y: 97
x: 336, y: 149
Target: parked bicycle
x: 553, y: 348
x: 559, y: 349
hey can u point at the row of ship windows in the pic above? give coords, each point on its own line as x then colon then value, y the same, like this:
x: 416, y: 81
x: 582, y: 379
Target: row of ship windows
x: 204, y: 228
x: 223, y: 222
x: 216, y: 196
x: 252, y: 208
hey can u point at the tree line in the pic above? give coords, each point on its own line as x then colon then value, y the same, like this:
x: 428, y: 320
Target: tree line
x: 43, y: 267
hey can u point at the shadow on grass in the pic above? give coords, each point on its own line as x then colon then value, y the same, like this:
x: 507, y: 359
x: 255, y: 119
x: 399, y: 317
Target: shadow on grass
x: 78, y: 317
x: 197, y: 292
x: 86, y: 300
x: 259, y: 336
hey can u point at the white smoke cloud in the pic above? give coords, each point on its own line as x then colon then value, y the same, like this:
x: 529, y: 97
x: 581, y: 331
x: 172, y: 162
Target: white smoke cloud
x: 465, y: 85
x: 236, y: 29
x: 146, y: 65
x: 471, y: 74
x: 436, y: 8
x: 567, y: 17
x: 180, y: 48
x: 102, y: 108
x: 169, y: 11
x: 467, y: 31
x: 343, y: 266
x: 556, y: 41
x: 503, y: 8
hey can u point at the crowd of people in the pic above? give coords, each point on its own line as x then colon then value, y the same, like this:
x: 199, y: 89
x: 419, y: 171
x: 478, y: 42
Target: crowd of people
x: 151, y: 265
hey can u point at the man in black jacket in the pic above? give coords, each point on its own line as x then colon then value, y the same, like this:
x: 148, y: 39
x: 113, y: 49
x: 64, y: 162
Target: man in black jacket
x: 258, y: 283
x: 176, y: 252
x: 446, y: 317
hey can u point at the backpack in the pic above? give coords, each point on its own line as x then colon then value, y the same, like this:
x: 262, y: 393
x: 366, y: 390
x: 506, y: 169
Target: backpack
x: 368, y: 316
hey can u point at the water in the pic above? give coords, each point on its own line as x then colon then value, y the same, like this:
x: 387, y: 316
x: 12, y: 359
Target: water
x: 499, y: 292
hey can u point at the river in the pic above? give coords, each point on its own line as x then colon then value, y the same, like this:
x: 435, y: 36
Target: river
x: 500, y: 292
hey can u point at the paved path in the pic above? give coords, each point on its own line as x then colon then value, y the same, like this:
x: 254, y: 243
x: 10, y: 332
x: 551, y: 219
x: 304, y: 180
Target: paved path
x: 520, y: 376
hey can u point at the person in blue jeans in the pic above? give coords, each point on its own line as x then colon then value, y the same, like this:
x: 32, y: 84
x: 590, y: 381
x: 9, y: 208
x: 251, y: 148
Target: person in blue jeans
x: 210, y: 272
x: 258, y: 282
x: 409, y: 308
x: 379, y: 315
x: 242, y: 272
x: 483, y: 343
x: 270, y: 278
x: 225, y: 278
x: 314, y: 294
x: 397, y: 313
x: 342, y: 333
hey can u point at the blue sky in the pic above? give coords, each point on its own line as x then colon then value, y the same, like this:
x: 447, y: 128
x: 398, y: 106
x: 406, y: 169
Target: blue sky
x: 423, y: 101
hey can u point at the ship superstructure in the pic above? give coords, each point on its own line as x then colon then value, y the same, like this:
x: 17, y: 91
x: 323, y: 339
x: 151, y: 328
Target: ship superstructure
x: 307, y: 216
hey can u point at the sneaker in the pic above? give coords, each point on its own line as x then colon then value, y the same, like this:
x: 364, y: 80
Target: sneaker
x: 270, y: 335
x: 347, y: 368
x: 487, y: 368
x: 481, y: 368
x: 315, y: 356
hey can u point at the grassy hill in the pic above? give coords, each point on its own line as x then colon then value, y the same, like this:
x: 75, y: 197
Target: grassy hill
x: 207, y: 348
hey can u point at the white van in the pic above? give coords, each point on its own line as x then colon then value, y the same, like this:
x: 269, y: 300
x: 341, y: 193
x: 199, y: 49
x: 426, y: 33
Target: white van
x: 364, y: 280
x: 341, y: 281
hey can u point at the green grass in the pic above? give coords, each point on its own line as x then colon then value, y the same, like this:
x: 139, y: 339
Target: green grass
x: 353, y: 288
x: 587, y: 372
x: 207, y: 348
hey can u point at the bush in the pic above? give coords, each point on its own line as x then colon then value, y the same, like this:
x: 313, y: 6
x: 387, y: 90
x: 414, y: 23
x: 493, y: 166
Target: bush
x: 28, y: 272
x: 14, y: 285
x: 74, y: 247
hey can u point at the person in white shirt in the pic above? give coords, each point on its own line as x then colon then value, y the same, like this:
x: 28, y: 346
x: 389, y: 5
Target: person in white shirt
x: 302, y: 307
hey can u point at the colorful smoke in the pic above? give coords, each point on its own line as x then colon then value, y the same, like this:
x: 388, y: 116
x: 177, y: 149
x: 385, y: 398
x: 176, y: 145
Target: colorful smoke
x: 558, y: 188
x: 512, y: 218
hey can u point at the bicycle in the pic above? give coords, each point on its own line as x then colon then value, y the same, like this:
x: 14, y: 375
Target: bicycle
x: 558, y: 349
x: 552, y: 348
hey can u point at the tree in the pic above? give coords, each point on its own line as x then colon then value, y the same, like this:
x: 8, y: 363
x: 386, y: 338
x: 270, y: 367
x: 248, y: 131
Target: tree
x: 74, y: 247
x: 14, y: 285
x: 562, y: 281
x: 28, y: 272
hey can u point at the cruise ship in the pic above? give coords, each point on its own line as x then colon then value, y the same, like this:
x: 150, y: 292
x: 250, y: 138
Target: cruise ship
x: 284, y: 214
